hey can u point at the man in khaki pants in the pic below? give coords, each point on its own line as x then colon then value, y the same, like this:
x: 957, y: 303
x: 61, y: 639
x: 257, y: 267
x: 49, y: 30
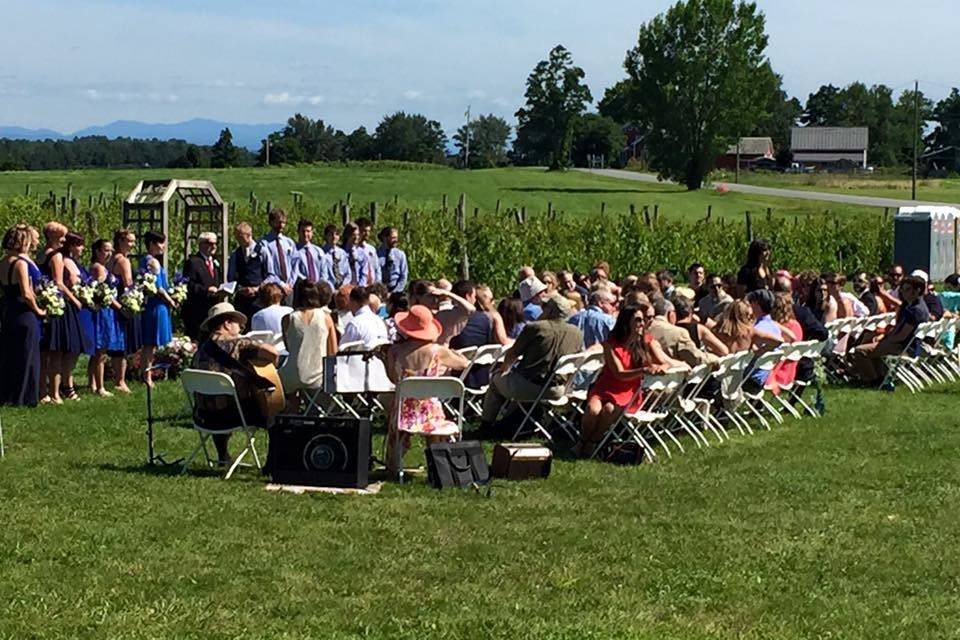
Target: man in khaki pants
x: 535, y: 354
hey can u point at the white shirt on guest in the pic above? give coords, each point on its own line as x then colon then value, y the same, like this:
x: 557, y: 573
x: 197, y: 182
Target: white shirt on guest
x: 366, y: 327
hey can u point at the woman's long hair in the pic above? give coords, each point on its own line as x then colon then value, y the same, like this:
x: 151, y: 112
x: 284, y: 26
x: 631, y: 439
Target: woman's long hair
x: 736, y: 322
x: 511, y: 310
x: 624, y: 333
x: 755, y: 252
x: 783, y: 308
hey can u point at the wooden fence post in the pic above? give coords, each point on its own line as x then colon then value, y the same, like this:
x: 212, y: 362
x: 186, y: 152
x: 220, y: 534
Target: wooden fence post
x: 497, y: 210
x: 709, y: 211
x: 26, y: 191
x: 443, y: 203
x: 646, y: 215
x: 373, y: 213
x: 345, y: 212
x: 749, y: 222
x: 603, y: 208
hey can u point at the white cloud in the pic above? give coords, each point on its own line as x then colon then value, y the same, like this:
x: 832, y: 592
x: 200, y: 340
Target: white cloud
x: 477, y: 94
x: 315, y: 100
x: 97, y: 95
x: 92, y: 94
x: 287, y: 98
x: 501, y: 102
x: 412, y: 94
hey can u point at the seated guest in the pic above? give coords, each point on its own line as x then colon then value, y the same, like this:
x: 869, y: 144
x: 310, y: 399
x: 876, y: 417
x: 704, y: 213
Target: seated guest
x: 365, y: 326
x: 532, y: 293
x: 396, y: 303
x: 272, y: 311
x: 876, y: 288
x: 596, y: 321
x: 736, y: 330
x: 484, y: 326
x: 378, y: 299
x: 840, y: 303
x: 810, y: 327
x: 867, y: 359
x: 531, y: 360
x: 861, y: 286
x: 648, y: 284
x: 785, y: 372
x: 816, y: 297
x: 549, y: 278
x: 950, y: 297
x: 700, y: 335
x: 511, y: 310
x: 341, y: 307
x: 576, y: 299
x: 665, y: 280
x: 226, y: 351
x: 419, y: 355
x: 628, y: 354
x: 309, y: 336
x: 761, y: 305
x: 676, y: 341
x: 635, y: 298
x: 696, y: 280
x: 451, y: 309
x: 568, y: 283
x: 891, y: 293
x: 930, y: 297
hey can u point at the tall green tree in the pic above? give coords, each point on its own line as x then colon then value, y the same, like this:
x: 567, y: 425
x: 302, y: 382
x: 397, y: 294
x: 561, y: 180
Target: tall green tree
x: 781, y: 114
x: 945, y: 137
x: 359, y: 145
x: 411, y: 137
x: 699, y: 75
x: 908, y: 123
x: 596, y: 135
x: 488, y: 137
x: 556, y: 96
x: 223, y: 153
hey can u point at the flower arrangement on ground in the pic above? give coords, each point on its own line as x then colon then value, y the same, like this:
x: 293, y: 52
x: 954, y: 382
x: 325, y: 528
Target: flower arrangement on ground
x: 50, y: 298
x: 177, y: 355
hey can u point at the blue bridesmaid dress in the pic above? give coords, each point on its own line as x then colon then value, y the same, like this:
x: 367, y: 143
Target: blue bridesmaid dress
x: 108, y: 325
x: 85, y: 315
x: 156, y: 324
x: 62, y: 334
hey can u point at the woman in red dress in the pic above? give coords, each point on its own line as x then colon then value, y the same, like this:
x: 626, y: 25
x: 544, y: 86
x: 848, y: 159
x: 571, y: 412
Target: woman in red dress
x: 627, y: 355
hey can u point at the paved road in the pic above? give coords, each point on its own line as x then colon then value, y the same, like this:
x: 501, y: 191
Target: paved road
x: 867, y: 201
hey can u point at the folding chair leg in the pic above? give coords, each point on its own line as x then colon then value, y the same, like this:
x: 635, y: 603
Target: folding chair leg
x: 787, y: 407
x: 193, y: 454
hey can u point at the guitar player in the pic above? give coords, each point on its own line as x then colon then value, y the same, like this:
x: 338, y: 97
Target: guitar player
x: 246, y: 361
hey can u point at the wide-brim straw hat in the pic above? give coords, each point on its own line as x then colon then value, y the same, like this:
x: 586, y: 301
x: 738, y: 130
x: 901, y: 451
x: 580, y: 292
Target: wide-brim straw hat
x: 419, y: 324
x: 219, y: 312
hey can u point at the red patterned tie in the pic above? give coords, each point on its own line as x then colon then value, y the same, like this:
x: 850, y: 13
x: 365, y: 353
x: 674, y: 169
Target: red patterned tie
x: 282, y: 259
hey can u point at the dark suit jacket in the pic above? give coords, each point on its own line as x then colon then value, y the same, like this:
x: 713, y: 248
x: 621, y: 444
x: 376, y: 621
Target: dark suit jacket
x: 199, y: 300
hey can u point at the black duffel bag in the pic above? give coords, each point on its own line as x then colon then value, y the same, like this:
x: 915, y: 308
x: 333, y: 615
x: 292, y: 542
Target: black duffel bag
x: 456, y: 464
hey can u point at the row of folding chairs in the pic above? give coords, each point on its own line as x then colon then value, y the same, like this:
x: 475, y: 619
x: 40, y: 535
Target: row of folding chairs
x: 846, y: 334
x: 932, y: 357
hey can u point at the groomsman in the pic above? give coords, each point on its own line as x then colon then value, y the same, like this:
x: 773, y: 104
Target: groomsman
x: 393, y: 261
x: 203, y: 274
x: 248, y: 268
x: 336, y: 254
x: 279, y: 251
x: 353, y: 261
x: 366, y: 227
x: 310, y: 262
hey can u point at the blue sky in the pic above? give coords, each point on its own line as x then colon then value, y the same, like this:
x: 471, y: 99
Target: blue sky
x: 69, y: 64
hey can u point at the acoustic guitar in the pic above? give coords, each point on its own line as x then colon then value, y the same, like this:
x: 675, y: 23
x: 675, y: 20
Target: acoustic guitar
x: 271, y: 401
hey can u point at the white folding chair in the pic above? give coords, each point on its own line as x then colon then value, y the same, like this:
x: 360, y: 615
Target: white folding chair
x: 756, y: 401
x: 689, y: 403
x: 562, y: 375
x: 730, y: 373
x: 211, y: 383
x: 483, y: 356
x: 442, y: 388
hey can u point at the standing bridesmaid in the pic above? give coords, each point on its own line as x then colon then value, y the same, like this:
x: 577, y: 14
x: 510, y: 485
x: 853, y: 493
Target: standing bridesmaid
x: 62, y: 337
x: 107, y: 323
x: 156, y: 323
x: 119, y: 265
x: 73, y: 274
x: 20, y: 329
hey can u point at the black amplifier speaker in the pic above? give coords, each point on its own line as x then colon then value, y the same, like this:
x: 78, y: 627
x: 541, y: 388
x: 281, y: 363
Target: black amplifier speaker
x: 320, y: 452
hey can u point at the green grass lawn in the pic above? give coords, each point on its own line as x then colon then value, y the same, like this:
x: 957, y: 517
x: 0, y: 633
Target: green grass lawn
x: 881, y: 185
x: 844, y: 528
x: 322, y: 186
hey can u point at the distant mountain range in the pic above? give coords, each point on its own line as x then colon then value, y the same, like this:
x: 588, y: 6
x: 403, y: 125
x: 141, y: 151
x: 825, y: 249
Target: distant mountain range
x: 196, y: 131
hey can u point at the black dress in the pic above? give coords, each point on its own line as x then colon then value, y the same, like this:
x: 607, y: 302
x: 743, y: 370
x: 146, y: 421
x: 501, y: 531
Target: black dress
x: 63, y: 334
x: 19, y: 344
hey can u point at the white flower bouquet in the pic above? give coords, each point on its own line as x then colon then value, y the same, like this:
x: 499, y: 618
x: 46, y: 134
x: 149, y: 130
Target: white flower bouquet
x: 147, y: 282
x: 178, y: 354
x: 50, y: 298
x: 104, y: 294
x: 86, y: 294
x: 178, y: 292
x: 133, y: 300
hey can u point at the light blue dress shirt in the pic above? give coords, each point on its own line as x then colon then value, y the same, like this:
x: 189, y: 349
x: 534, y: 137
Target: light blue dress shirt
x: 373, y: 264
x: 310, y: 255
x: 594, y: 324
x: 395, y: 274
x: 341, y: 266
x: 268, y: 246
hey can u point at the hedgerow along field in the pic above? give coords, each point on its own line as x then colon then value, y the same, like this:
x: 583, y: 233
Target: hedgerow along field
x: 842, y: 527
x: 644, y: 237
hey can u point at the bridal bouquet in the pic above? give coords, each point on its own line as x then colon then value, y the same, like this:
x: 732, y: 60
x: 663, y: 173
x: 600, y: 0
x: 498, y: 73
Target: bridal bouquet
x: 178, y: 292
x: 50, y: 299
x: 178, y: 354
x: 86, y: 293
x: 147, y: 282
x: 132, y: 300
x: 104, y: 294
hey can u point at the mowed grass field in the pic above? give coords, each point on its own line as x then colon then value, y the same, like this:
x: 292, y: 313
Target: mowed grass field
x: 572, y: 192
x: 881, y: 185
x: 844, y: 527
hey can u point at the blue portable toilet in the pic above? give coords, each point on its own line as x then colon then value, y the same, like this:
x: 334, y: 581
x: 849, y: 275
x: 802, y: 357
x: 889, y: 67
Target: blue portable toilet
x: 925, y: 237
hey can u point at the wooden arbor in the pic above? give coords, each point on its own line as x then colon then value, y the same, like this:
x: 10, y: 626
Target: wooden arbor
x: 147, y: 208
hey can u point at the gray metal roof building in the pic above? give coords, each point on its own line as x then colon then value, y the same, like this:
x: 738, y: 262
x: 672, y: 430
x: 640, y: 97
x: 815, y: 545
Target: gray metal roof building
x: 830, y: 145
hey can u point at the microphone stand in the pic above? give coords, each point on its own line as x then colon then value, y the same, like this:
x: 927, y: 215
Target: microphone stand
x: 154, y: 458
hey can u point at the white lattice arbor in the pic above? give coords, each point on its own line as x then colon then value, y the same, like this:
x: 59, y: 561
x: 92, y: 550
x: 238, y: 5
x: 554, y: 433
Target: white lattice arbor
x: 148, y: 208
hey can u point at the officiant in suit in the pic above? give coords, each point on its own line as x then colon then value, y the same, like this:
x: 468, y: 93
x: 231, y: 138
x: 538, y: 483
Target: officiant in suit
x: 204, y: 275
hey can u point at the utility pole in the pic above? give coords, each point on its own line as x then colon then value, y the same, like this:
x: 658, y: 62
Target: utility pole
x: 737, y: 177
x: 916, y: 133
x: 266, y: 146
x: 466, y: 148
